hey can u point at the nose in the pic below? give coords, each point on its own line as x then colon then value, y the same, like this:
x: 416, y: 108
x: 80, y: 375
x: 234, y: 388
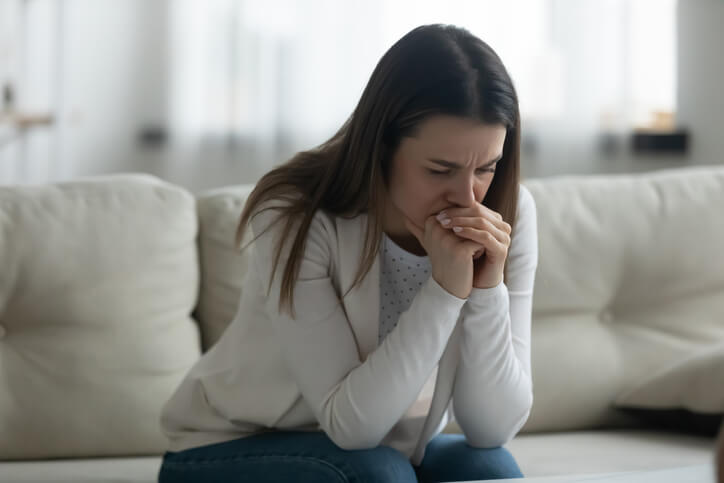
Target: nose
x: 462, y: 192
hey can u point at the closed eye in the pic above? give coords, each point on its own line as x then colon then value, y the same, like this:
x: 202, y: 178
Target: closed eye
x: 482, y: 170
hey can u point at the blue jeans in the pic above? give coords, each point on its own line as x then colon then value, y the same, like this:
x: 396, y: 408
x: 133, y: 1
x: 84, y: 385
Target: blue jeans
x: 312, y: 457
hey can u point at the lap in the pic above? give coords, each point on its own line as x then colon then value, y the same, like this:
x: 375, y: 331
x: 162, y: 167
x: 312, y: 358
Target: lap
x: 285, y: 456
x: 312, y: 456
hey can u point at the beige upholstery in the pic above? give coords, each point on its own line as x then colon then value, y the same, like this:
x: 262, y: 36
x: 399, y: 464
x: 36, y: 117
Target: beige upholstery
x: 99, y: 278
x: 695, y: 383
x: 576, y: 452
x: 222, y: 263
x: 630, y: 278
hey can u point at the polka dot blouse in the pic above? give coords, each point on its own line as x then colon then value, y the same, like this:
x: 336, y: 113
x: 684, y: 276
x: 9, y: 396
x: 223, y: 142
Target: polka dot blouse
x: 401, y: 277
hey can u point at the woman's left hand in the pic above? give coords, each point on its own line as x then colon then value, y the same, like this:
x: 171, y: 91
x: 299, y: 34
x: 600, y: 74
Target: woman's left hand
x: 486, y: 227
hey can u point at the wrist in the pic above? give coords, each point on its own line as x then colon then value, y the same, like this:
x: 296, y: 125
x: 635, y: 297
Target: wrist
x: 487, y: 284
x: 481, y: 297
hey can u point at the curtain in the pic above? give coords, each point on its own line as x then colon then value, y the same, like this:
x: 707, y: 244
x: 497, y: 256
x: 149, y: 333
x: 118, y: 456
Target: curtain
x: 252, y: 82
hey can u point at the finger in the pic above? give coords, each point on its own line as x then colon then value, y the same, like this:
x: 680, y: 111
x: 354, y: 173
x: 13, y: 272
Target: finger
x: 474, y: 249
x: 483, y: 225
x: 492, y: 213
x: 493, y: 247
x: 482, y: 212
x: 497, y: 221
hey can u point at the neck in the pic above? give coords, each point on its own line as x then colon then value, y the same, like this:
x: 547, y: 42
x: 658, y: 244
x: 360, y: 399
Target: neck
x: 394, y: 228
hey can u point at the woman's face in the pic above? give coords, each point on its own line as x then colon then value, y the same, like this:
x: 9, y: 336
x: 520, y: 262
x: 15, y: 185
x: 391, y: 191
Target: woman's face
x: 449, y: 163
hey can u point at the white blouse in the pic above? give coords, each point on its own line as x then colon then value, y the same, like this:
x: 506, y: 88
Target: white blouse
x: 401, y: 276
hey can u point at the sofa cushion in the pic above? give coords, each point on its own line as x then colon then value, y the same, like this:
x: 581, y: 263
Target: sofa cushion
x: 687, y: 395
x: 99, y: 278
x: 612, y: 450
x: 630, y: 278
x: 223, y: 265
x: 577, y: 452
x: 695, y: 383
x: 96, y: 470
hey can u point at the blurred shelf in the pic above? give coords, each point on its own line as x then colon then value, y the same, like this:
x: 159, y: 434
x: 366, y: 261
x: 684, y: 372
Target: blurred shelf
x: 12, y: 125
x: 22, y: 120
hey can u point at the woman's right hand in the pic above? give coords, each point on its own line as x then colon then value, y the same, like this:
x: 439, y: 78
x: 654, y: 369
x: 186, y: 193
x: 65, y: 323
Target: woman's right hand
x: 451, y: 256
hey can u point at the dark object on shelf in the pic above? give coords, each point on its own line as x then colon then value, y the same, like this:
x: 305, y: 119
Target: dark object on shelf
x: 152, y: 136
x: 8, y: 98
x: 660, y: 142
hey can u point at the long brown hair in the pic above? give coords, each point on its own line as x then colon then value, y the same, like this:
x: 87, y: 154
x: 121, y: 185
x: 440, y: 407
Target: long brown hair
x: 434, y: 69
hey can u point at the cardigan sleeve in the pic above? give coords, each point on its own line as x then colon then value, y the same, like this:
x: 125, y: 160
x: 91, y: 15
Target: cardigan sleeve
x: 356, y: 403
x: 493, y: 392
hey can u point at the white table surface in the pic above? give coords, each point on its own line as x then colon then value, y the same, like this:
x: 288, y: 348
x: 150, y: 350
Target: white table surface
x: 684, y: 474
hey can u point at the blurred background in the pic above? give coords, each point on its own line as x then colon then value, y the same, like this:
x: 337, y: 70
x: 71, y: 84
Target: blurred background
x: 208, y: 93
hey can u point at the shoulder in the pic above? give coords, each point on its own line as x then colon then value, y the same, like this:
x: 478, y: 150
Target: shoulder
x: 525, y: 218
x: 525, y: 231
x: 526, y: 203
x: 268, y: 213
x: 276, y: 221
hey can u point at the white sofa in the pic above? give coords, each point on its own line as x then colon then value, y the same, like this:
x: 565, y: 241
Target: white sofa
x: 111, y: 286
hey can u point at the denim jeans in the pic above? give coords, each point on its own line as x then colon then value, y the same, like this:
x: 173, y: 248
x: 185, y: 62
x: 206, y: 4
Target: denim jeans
x: 312, y: 457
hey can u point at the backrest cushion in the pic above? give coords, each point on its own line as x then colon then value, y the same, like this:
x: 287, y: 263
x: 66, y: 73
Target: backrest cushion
x: 630, y: 279
x: 223, y: 265
x: 99, y: 278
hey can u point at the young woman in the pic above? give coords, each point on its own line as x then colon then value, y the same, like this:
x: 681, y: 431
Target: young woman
x: 390, y: 291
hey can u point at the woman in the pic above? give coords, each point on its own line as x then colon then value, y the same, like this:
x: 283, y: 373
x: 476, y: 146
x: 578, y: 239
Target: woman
x: 399, y: 299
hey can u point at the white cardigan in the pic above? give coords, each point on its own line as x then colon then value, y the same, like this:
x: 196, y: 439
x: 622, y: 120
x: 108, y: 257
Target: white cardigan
x: 324, y: 370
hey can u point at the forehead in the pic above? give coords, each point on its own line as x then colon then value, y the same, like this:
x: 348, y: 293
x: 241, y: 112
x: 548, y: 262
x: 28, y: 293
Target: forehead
x: 459, y: 137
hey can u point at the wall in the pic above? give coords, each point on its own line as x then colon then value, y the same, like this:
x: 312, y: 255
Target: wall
x: 99, y: 67
x: 112, y: 68
x: 113, y: 82
x: 701, y: 77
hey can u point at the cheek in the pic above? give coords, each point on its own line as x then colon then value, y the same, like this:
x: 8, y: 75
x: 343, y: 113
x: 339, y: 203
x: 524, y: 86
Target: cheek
x: 482, y: 188
x: 417, y: 196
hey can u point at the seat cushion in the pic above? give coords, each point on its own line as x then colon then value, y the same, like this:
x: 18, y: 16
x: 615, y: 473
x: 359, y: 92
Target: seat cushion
x: 96, y: 470
x: 536, y: 454
x: 99, y: 278
x: 607, y: 451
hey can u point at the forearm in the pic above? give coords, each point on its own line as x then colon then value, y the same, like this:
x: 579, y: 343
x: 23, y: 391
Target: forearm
x: 358, y: 403
x: 493, y: 388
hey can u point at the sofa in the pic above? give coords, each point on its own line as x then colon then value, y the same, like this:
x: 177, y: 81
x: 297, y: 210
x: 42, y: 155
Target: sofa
x: 112, y: 286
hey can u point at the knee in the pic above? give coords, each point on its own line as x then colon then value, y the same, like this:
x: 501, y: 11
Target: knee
x: 385, y: 464
x: 495, y: 463
x: 451, y: 458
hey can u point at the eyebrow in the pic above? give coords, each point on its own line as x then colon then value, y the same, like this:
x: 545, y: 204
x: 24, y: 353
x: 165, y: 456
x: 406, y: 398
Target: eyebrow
x: 450, y: 164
